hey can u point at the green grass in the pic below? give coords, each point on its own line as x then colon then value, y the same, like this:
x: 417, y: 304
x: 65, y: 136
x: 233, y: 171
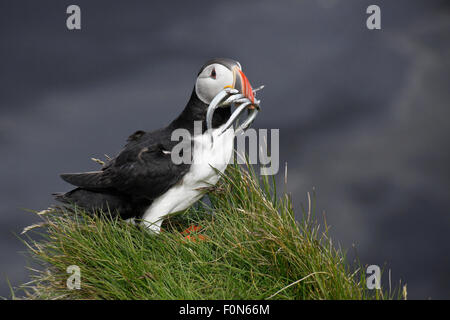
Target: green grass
x: 252, y: 248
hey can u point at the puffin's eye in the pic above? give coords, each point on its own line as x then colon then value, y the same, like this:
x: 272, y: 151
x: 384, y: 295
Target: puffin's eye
x: 213, y: 73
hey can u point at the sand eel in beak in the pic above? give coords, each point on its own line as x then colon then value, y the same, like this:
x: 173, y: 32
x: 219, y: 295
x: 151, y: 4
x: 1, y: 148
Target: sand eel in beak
x: 142, y: 183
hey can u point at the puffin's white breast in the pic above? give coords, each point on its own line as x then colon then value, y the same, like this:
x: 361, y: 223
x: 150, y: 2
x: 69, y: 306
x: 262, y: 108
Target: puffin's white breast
x: 207, y: 154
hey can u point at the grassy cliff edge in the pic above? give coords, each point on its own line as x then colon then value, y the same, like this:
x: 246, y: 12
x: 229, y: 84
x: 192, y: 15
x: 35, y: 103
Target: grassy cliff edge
x: 249, y: 246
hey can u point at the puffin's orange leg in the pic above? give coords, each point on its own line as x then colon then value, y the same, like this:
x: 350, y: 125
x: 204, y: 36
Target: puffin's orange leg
x: 191, y: 229
x: 190, y: 233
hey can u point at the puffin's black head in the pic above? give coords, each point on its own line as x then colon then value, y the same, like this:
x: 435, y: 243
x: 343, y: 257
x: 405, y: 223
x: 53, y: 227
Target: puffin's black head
x: 218, y: 74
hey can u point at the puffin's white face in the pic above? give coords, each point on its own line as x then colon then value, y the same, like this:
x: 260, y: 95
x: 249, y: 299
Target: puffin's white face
x: 213, y: 79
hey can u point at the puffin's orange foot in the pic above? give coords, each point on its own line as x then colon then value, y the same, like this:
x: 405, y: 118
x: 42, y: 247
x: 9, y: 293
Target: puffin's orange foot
x: 191, y: 233
x: 192, y: 229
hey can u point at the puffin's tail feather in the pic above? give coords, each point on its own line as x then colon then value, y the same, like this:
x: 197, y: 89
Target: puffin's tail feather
x: 93, y: 201
x: 61, y: 197
x: 93, y: 179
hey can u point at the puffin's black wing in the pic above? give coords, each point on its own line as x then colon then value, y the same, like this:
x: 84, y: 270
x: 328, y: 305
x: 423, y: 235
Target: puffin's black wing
x: 146, y: 171
x: 143, y: 169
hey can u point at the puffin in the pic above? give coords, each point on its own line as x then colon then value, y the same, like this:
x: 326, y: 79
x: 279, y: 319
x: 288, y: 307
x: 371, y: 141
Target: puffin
x: 142, y: 184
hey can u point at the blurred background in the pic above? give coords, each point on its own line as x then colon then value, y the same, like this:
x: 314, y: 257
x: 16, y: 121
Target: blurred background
x: 363, y: 115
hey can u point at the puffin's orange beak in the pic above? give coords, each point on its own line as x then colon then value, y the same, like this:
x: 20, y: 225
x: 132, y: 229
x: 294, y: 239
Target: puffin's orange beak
x: 241, y: 83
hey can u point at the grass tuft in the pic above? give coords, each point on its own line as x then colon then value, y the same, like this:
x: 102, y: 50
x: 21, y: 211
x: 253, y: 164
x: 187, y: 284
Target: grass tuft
x: 249, y: 247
